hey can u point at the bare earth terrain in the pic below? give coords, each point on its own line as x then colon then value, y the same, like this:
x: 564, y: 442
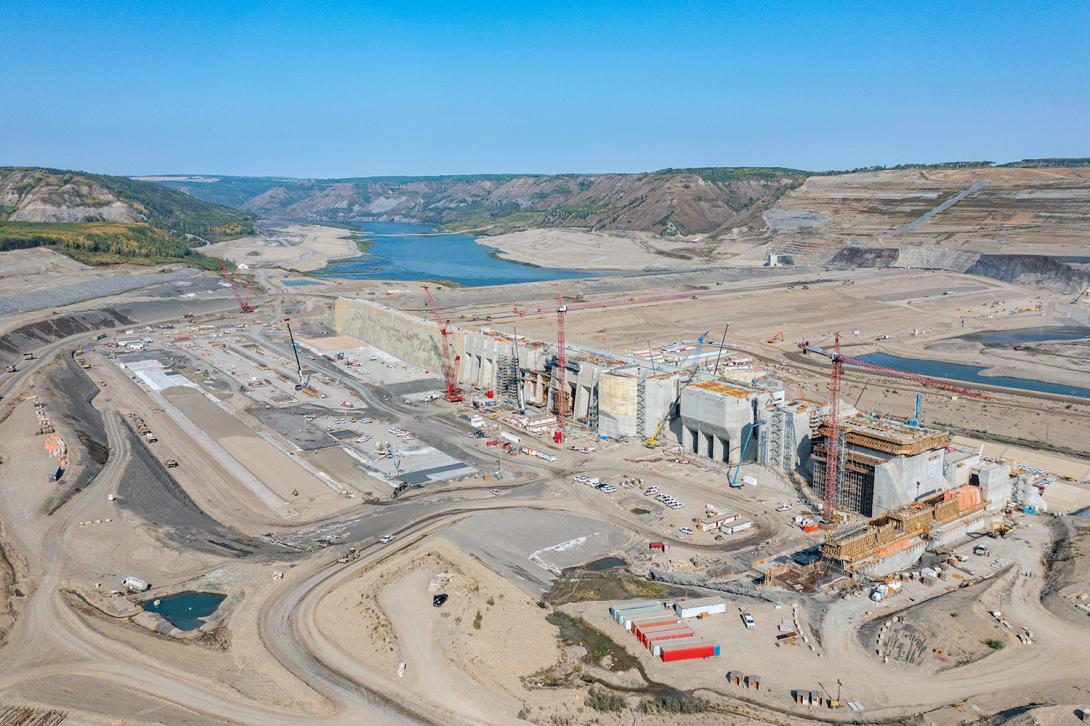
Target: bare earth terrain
x: 157, y: 442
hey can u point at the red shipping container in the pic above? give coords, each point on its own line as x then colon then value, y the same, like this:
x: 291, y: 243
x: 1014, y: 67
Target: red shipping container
x: 688, y: 652
x: 658, y: 638
x: 811, y: 527
x: 646, y: 633
x: 638, y: 628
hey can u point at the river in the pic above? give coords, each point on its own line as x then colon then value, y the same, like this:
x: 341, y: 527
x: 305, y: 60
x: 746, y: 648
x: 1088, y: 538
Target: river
x: 405, y: 251
x: 970, y: 374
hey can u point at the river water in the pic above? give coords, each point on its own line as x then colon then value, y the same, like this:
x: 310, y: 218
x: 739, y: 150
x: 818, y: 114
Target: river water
x: 970, y: 374
x: 404, y: 251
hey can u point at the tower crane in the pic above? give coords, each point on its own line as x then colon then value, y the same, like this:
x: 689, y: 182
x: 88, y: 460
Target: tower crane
x: 454, y: 394
x: 561, y: 370
x: 832, y: 441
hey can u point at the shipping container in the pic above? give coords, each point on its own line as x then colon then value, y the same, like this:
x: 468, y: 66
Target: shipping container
x: 689, y: 652
x: 695, y: 608
x: 656, y: 648
x: 627, y: 617
x: 649, y: 632
x: 654, y: 639
x: 646, y: 636
x: 649, y: 622
x: 735, y: 527
x: 632, y: 613
x: 614, y: 610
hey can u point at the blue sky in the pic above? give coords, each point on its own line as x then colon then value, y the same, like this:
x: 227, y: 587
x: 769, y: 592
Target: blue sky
x: 361, y: 88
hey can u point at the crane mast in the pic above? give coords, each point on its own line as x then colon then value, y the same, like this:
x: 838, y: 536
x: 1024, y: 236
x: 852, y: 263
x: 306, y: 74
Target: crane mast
x: 454, y: 394
x: 561, y: 368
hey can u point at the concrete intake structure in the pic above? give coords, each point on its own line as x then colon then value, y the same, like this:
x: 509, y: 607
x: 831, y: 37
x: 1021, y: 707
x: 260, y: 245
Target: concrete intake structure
x: 717, y: 420
x: 612, y: 395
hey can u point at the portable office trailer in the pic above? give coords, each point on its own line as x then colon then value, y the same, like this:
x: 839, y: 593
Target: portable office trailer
x: 695, y: 608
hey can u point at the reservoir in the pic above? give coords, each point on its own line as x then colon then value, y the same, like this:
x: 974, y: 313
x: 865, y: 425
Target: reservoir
x: 970, y: 374
x: 186, y: 610
x: 404, y: 251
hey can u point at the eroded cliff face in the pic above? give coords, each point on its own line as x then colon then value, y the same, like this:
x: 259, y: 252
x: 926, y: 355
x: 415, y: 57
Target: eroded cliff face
x: 37, y: 195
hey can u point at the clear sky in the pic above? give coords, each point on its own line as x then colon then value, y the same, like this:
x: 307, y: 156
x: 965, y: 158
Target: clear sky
x: 411, y: 87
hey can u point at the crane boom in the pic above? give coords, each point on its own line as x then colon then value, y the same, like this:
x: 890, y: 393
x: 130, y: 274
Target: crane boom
x: 454, y: 394
x: 303, y: 382
x: 922, y: 380
x: 243, y: 305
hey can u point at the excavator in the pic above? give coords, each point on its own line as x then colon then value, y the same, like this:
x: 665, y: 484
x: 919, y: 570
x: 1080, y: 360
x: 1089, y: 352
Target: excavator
x: 777, y: 336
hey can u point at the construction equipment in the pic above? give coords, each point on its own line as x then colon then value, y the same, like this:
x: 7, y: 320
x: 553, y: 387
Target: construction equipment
x: 650, y: 442
x: 243, y: 301
x: 777, y: 336
x: 454, y: 393
x: 832, y: 441
x: 915, y: 420
x: 519, y: 392
x: 302, y: 383
x: 699, y: 349
x: 561, y: 368
x: 1082, y: 294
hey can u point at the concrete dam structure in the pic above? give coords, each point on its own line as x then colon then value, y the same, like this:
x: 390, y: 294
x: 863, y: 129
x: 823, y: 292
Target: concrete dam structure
x: 612, y: 395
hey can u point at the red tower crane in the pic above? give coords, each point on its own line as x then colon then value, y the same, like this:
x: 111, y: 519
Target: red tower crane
x: 561, y: 369
x: 454, y: 394
x: 832, y: 441
x: 243, y: 302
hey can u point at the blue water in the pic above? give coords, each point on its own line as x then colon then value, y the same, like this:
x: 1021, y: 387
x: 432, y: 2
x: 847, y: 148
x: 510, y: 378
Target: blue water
x: 299, y: 283
x: 970, y: 374
x: 186, y: 610
x: 428, y: 255
x: 1027, y: 335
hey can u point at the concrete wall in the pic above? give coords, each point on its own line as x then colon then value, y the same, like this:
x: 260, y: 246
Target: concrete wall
x: 895, y: 482
x: 618, y: 402
x: 716, y: 424
x: 408, y: 337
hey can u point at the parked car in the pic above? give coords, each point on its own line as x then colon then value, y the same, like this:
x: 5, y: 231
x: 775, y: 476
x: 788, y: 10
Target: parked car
x: 438, y: 600
x: 685, y: 530
x: 386, y: 539
x: 748, y: 620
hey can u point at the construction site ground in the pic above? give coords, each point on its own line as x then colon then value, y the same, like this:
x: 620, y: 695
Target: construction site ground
x: 284, y: 502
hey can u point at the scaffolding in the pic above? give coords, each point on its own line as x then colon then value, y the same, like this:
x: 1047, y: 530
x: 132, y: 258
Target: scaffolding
x: 641, y: 407
x: 507, y: 378
x: 592, y: 410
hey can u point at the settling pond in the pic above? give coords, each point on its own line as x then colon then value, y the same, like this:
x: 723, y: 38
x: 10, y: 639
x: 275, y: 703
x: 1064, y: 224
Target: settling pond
x: 186, y: 610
